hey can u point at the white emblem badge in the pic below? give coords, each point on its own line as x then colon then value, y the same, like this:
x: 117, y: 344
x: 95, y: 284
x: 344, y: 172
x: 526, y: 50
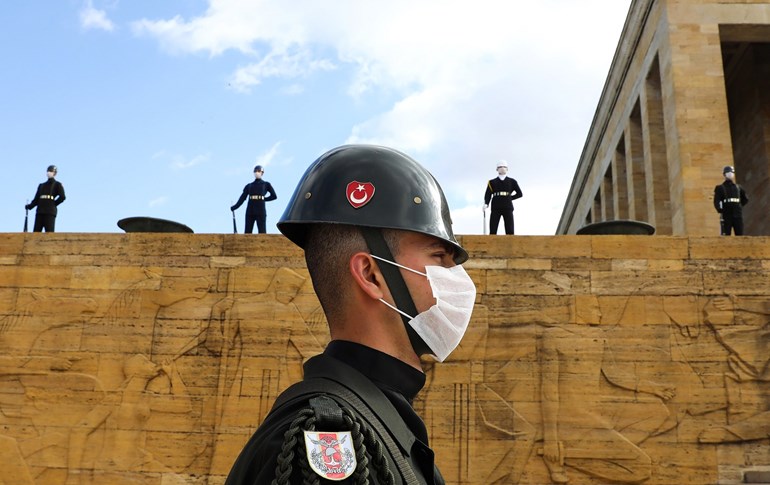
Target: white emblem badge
x: 331, y: 454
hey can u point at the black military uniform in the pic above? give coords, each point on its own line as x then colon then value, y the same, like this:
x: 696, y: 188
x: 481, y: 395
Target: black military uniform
x: 384, y: 383
x: 48, y: 196
x: 256, y: 192
x: 502, y: 194
x: 729, y: 199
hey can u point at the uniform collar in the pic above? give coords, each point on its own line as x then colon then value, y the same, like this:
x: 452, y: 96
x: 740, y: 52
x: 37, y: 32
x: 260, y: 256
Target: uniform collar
x: 387, y: 372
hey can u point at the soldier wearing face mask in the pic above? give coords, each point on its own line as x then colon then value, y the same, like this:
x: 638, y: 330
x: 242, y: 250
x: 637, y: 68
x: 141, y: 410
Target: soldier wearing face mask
x: 47, y: 198
x: 258, y: 192
x: 385, y: 265
x: 729, y: 199
x: 501, y: 192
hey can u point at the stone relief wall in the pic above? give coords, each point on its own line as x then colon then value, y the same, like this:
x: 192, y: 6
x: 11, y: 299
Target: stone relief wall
x: 151, y: 358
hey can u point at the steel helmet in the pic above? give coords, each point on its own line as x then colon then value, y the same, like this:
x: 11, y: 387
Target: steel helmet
x: 52, y: 168
x: 727, y: 169
x: 370, y: 186
x: 259, y: 168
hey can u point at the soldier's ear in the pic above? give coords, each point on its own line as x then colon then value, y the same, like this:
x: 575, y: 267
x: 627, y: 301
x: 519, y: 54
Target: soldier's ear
x: 367, y: 276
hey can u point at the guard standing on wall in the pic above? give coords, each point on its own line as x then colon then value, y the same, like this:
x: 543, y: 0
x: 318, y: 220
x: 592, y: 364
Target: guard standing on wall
x: 729, y: 199
x: 378, y: 244
x: 502, y: 190
x: 47, y: 198
x: 256, y: 192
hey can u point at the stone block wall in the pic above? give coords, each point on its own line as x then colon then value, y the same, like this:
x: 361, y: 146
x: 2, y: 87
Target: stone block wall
x: 150, y: 358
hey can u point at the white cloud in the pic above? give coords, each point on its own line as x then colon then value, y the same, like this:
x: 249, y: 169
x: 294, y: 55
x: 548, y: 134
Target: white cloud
x: 92, y: 18
x: 181, y: 162
x: 288, y: 66
x: 467, y: 220
x: 238, y: 25
x: 266, y: 158
x: 270, y: 156
x: 158, y: 201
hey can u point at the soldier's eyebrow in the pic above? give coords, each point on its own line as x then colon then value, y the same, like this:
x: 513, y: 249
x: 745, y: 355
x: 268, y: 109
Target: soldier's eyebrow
x: 440, y: 245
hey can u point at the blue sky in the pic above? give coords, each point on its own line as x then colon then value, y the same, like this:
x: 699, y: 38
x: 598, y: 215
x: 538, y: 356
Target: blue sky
x: 162, y: 108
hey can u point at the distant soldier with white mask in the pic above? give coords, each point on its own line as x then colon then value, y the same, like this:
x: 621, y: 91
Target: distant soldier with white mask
x: 729, y: 199
x: 257, y: 192
x: 47, y: 198
x: 501, y: 191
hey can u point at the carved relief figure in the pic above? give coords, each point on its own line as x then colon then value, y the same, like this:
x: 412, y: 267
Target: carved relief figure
x: 742, y: 327
x: 119, y: 451
x: 39, y: 314
x: 464, y: 401
x: 506, y: 401
x: 12, y: 412
x: 459, y: 406
x: 130, y: 323
x: 585, y: 426
x: 16, y: 469
x: 261, y: 341
x: 39, y: 401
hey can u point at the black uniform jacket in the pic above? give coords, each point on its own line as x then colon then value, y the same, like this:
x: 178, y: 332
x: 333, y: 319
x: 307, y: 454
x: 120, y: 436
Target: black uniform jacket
x: 256, y: 188
x: 384, y: 383
x: 729, y: 199
x: 505, y: 192
x: 49, y: 194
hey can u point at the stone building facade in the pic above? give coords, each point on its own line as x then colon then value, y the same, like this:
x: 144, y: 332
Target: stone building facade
x: 686, y: 95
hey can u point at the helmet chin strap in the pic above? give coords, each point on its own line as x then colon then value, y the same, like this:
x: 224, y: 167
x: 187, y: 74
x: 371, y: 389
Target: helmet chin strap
x: 396, y: 284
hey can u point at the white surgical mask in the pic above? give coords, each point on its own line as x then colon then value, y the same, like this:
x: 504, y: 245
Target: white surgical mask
x: 443, y: 325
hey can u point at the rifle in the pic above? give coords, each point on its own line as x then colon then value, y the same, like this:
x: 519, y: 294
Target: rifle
x: 235, y: 228
x: 26, y: 217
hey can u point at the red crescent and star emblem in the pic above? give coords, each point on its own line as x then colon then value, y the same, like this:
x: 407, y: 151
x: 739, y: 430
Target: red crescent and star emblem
x: 359, y: 193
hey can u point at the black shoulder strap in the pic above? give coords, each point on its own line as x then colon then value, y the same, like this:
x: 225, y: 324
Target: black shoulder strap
x: 339, y: 392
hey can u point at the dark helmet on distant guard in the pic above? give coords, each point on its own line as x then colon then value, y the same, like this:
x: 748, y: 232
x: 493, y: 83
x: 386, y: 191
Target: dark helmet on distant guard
x: 52, y: 168
x: 369, y: 186
x: 258, y: 168
x: 727, y: 169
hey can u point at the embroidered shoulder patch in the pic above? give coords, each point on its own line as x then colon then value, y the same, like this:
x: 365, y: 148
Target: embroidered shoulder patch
x: 331, y: 454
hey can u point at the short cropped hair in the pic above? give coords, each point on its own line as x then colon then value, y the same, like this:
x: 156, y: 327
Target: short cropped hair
x: 328, y: 249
